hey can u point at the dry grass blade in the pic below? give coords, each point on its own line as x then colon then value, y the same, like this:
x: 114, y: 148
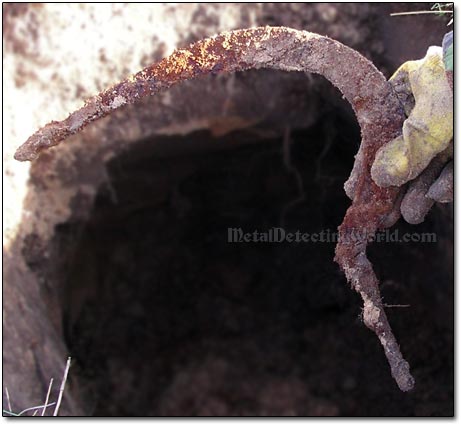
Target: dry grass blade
x: 61, y: 389
x: 47, y: 397
x: 421, y: 12
x: 8, y: 399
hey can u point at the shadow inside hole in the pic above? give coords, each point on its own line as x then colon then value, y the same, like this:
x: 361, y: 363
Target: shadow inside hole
x: 164, y: 316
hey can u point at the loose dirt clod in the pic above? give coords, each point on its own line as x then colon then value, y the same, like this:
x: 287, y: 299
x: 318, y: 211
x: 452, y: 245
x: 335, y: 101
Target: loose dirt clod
x: 377, y: 109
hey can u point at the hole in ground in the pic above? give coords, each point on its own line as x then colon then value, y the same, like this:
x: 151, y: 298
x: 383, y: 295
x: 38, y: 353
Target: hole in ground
x: 163, y: 316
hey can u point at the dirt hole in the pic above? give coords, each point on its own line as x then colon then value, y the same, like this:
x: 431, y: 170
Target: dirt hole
x: 163, y: 316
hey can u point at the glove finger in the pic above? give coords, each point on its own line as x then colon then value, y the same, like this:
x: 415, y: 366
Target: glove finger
x: 391, y: 166
x: 385, y: 164
x: 442, y: 190
x: 415, y: 204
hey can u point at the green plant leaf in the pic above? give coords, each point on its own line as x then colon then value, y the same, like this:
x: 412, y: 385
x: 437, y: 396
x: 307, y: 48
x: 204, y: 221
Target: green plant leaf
x: 447, y: 45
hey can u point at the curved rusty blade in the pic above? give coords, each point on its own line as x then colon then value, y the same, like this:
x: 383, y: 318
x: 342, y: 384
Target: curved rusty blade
x: 376, y: 107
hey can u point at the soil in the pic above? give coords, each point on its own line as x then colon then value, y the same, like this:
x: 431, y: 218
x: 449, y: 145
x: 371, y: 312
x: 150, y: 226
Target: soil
x: 163, y: 316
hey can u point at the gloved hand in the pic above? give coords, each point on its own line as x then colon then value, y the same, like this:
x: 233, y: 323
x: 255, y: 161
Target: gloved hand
x: 420, y: 160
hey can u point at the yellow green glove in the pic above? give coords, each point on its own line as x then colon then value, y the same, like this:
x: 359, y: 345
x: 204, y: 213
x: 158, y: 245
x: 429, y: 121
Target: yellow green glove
x: 426, y: 95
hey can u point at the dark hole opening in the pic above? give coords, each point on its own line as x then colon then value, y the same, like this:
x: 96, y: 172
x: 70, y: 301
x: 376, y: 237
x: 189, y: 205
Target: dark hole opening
x: 164, y: 316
